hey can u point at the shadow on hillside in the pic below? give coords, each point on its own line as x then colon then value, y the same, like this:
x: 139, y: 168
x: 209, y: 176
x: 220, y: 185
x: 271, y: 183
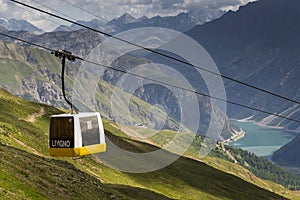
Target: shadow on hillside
x: 37, y: 177
x: 201, y: 178
x: 137, y: 193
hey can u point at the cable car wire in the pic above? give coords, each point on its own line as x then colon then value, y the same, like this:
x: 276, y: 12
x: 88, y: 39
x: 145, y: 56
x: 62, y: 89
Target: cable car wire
x: 196, y: 92
x: 158, y: 53
x: 164, y: 83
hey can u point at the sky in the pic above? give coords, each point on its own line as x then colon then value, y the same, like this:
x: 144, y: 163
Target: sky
x: 108, y: 9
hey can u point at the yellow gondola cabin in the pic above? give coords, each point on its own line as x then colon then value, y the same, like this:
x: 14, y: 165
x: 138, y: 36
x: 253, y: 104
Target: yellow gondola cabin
x: 75, y: 135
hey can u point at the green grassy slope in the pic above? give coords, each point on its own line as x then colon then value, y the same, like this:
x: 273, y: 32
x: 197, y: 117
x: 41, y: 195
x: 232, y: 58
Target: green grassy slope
x: 25, y: 175
x: 27, y: 171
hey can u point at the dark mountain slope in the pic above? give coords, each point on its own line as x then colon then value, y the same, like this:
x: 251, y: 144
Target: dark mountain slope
x: 258, y: 44
x: 288, y: 155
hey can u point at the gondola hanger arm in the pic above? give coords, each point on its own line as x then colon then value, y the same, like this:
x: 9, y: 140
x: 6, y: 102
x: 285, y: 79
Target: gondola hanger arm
x: 63, y: 55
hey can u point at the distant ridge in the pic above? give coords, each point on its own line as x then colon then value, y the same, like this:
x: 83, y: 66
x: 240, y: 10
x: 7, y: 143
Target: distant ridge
x: 19, y: 25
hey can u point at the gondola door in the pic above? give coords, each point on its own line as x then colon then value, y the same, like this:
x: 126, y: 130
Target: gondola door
x: 62, y: 135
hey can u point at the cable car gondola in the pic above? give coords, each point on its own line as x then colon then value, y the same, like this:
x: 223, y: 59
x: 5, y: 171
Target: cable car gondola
x: 75, y: 135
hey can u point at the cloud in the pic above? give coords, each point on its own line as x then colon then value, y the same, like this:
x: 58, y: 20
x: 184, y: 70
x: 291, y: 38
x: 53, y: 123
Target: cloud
x: 3, y: 6
x: 215, y: 4
x: 150, y: 8
x: 137, y: 2
x: 109, y: 9
x: 169, y: 4
x: 10, y: 9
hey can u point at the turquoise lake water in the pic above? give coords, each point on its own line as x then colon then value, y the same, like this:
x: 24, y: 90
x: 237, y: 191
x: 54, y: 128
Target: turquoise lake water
x: 262, y: 141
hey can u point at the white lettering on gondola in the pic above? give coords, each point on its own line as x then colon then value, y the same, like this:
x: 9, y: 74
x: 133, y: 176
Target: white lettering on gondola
x: 60, y: 143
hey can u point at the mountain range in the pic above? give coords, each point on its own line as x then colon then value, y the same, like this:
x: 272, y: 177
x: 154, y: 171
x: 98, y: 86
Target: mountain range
x: 181, y: 22
x: 256, y: 45
x: 21, y: 63
x: 34, y: 74
x: 260, y: 46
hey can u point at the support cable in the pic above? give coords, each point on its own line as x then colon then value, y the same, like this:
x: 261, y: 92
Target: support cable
x: 70, y: 56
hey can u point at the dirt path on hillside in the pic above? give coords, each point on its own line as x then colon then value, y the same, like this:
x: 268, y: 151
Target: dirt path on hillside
x: 136, y: 135
x: 27, y: 147
x: 32, y: 118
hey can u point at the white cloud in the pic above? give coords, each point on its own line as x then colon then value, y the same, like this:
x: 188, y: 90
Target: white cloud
x: 109, y: 9
x: 10, y: 10
x: 3, y: 6
x: 236, y: 6
x: 215, y: 4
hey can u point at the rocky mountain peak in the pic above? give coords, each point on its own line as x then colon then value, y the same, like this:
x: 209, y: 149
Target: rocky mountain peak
x: 126, y: 18
x: 19, y: 25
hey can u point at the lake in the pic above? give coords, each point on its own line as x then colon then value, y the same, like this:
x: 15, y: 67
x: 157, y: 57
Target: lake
x: 262, y: 141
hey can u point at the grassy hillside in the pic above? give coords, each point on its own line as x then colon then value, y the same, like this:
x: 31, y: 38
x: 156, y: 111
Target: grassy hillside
x: 28, y: 176
x: 28, y: 172
x: 253, y: 169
